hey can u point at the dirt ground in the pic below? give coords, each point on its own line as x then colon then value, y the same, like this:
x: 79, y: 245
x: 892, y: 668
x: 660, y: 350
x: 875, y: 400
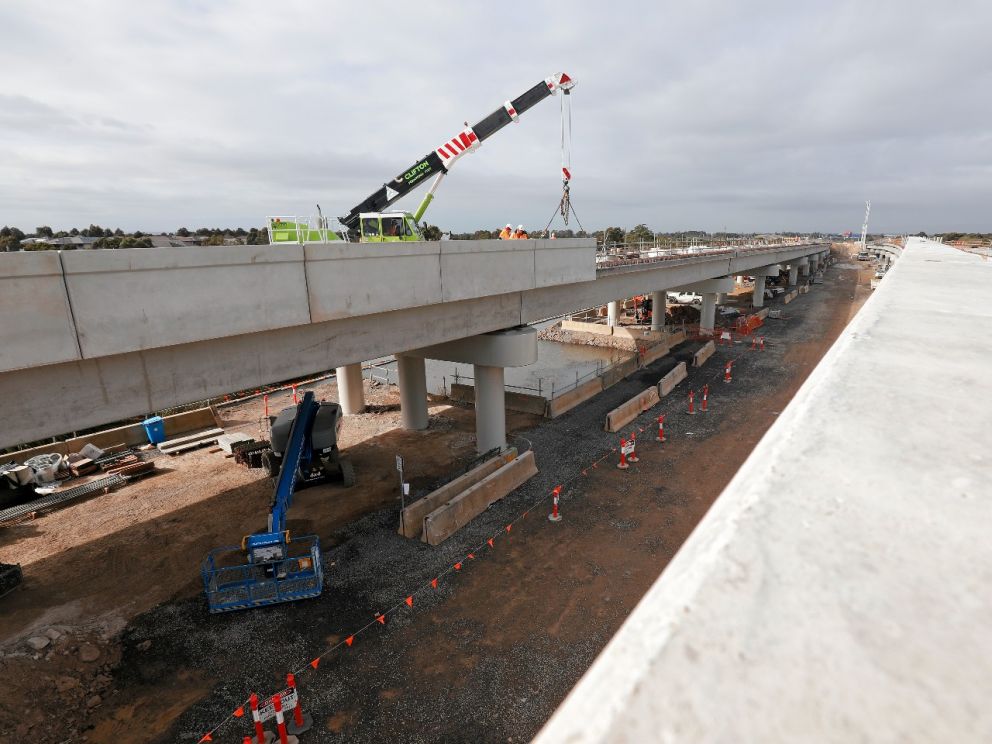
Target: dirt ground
x: 485, y: 658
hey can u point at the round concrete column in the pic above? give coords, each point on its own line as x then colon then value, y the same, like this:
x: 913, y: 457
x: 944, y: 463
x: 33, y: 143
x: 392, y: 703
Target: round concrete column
x: 758, y: 295
x: 793, y: 275
x: 490, y: 408
x: 413, y: 391
x: 804, y: 269
x: 659, y: 306
x: 708, y: 313
x: 612, y: 313
x: 351, y: 394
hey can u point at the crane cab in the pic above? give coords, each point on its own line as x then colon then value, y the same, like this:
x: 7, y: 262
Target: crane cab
x: 388, y: 227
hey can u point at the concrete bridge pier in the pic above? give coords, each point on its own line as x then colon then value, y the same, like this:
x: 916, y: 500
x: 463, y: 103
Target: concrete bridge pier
x: 612, y: 313
x: 489, y: 354
x: 490, y: 407
x: 707, y: 316
x: 413, y: 391
x: 760, y: 274
x: 351, y: 394
x: 803, y: 265
x: 758, y: 293
x: 710, y: 289
x: 659, y: 306
x: 793, y: 275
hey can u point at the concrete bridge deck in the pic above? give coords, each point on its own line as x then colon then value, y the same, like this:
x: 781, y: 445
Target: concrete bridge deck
x: 840, y: 589
x: 91, y: 337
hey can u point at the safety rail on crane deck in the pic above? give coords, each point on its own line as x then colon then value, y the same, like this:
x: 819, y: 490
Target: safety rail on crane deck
x: 605, y: 260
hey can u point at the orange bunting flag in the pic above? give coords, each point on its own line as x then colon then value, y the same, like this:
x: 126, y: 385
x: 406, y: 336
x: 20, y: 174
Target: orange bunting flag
x: 409, y: 601
x: 471, y: 556
x: 583, y: 472
x: 381, y: 619
x: 206, y: 737
x: 349, y: 640
x: 433, y: 583
x: 490, y: 541
x: 596, y: 464
x: 509, y: 527
x: 238, y: 712
x: 458, y: 566
x: 525, y: 513
x: 315, y: 663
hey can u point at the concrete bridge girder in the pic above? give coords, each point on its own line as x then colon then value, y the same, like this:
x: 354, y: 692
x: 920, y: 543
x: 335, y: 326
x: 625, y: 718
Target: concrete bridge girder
x: 293, y: 311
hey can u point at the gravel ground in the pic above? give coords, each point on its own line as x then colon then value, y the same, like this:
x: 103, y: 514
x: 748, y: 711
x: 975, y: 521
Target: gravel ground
x: 490, y: 654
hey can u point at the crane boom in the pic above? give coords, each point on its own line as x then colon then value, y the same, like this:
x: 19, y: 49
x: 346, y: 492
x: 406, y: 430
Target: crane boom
x: 440, y: 160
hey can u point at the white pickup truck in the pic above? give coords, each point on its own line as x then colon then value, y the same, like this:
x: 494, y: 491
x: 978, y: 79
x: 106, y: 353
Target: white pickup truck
x: 685, y: 298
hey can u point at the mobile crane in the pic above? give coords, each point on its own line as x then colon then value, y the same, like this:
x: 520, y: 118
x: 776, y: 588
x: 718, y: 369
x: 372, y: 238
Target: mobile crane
x: 371, y: 224
x: 274, y: 566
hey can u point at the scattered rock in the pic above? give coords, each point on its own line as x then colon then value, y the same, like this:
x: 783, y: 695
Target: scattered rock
x: 38, y: 642
x: 53, y: 634
x: 102, y: 680
x: 88, y: 652
x: 94, y: 701
x: 64, y: 683
x: 144, y: 645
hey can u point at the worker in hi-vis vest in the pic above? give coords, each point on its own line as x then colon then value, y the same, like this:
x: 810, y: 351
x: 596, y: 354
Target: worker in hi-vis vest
x: 506, y: 233
x: 520, y: 234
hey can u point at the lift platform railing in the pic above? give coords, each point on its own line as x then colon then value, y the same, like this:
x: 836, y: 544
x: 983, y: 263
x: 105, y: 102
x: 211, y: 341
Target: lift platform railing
x: 245, y: 585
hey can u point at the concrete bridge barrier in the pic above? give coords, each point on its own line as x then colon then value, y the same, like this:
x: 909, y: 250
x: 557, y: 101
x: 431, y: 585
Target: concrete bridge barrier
x: 700, y: 357
x: 514, y: 401
x: 568, y: 401
x: 446, y: 520
x: 412, y: 517
x: 622, y: 415
x: 667, y: 383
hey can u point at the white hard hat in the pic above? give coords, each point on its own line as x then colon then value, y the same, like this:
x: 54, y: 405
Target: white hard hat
x: 520, y: 227
x: 509, y: 225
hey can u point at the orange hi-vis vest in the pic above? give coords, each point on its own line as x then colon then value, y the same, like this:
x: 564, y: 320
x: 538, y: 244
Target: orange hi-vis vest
x: 505, y: 234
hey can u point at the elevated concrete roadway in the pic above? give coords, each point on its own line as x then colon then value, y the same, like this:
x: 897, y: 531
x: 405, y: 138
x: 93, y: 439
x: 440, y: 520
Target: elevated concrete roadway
x: 840, y: 589
x: 91, y: 337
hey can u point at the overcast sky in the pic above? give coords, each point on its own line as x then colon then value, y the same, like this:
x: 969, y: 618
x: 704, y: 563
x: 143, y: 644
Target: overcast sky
x: 690, y: 115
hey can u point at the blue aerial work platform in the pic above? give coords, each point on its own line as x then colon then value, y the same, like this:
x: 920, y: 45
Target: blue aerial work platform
x: 279, y: 568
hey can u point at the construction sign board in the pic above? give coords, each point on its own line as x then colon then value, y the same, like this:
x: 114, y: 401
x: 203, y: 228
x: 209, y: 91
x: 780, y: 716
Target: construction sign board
x: 268, y: 709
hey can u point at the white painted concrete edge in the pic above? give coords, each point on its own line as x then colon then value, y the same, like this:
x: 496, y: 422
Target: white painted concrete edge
x: 820, y: 599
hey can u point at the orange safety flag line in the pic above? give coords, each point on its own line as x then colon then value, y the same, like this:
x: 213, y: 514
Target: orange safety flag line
x: 509, y: 527
x: 381, y: 619
x: 315, y: 663
x: 490, y: 541
x: 471, y: 556
x: 349, y: 640
x: 238, y: 712
x: 458, y: 566
x: 206, y: 737
x: 434, y: 583
x: 409, y: 601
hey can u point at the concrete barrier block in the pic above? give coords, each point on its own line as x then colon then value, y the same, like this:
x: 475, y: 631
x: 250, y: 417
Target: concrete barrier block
x: 667, y: 383
x: 568, y: 401
x: 522, y: 402
x: 619, y: 371
x: 674, y: 339
x: 654, y: 353
x: 622, y: 415
x: 583, y: 327
x: 762, y: 313
x: 700, y: 357
x: 787, y: 299
x: 444, y: 521
x: 412, y: 517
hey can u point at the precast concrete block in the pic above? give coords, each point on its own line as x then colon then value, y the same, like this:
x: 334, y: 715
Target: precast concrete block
x: 667, y: 383
x: 623, y: 414
x: 444, y: 521
x: 704, y: 353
